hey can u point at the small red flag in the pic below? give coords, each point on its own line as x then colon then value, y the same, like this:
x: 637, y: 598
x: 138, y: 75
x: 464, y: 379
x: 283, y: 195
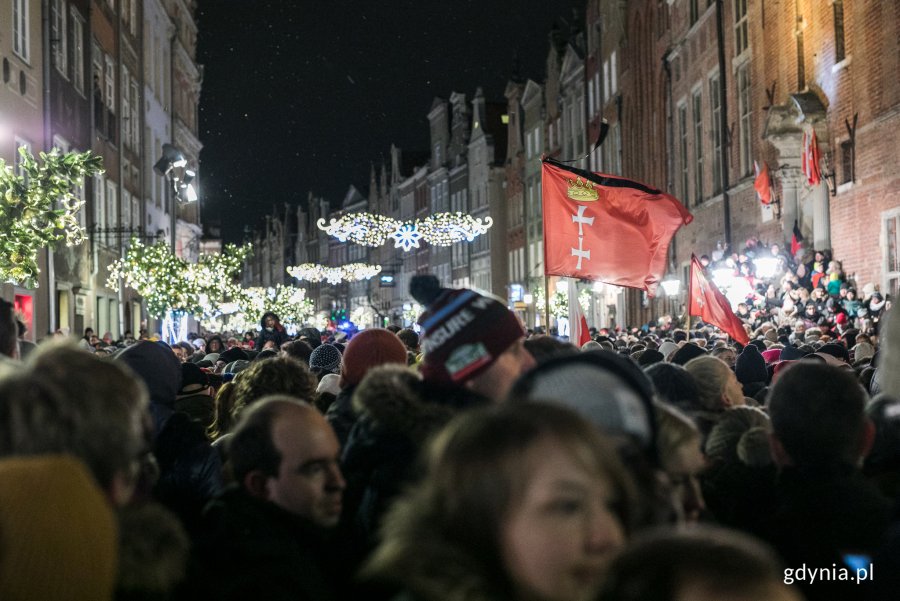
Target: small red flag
x: 606, y: 228
x: 710, y: 305
x: 763, y: 183
x: 810, y: 160
x: 796, y: 239
x: 579, y: 333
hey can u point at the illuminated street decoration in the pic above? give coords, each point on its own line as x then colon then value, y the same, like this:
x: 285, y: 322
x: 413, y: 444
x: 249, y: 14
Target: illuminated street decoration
x: 440, y: 229
x: 407, y: 237
x: 351, y: 272
x: 289, y: 302
x: 170, y: 284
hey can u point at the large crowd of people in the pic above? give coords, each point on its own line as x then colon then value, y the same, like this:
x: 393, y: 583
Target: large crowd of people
x: 467, y: 460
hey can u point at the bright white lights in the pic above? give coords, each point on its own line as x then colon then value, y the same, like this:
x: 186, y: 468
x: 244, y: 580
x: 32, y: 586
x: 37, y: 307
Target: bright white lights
x: 440, y: 229
x: 351, y: 272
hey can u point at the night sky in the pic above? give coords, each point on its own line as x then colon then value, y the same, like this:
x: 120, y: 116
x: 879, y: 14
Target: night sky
x: 301, y: 96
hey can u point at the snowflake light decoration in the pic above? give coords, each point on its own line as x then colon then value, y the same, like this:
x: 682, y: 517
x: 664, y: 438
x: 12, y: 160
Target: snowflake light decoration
x: 406, y: 237
x: 352, y: 272
x: 440, y: 229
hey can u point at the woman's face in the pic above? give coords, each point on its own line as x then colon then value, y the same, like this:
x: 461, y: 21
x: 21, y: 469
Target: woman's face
x: 558, y: 538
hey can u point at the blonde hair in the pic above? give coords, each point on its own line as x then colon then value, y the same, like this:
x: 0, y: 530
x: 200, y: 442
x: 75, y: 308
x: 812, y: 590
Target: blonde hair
x: 711, y: 376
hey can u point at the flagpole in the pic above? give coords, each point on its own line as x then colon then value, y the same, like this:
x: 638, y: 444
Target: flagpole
x: 547, y: 303
x: 690, y: 296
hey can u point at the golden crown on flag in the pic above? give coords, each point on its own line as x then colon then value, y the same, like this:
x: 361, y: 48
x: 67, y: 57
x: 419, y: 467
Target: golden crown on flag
x: 582, y: 190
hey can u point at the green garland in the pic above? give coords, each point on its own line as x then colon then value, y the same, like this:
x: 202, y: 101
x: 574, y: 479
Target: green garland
x: 39, y: 208
x: 169, y: 283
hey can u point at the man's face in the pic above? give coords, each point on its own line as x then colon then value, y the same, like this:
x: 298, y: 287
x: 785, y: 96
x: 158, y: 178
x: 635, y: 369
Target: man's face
x: 495, y: 382
x: 309, y: 481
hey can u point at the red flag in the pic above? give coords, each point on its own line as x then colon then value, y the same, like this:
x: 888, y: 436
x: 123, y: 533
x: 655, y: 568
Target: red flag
x: 710, y: 305
x: 810, y: 160
x: 606, y: 228
x: 763, y: 183
x: 796, y: 239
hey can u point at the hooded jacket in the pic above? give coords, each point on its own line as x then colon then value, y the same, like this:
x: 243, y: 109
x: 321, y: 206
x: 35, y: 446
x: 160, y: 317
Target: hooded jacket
x: 277, y: 334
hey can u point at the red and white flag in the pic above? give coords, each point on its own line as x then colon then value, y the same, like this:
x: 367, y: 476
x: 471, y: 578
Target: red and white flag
x: 579, y: 333
x: 709, y: 304
x: 606, y: 228
x: 809, y: 163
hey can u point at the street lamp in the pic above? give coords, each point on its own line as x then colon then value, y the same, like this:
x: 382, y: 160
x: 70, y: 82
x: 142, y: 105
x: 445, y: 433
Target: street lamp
x: 173, y: 166
x: 671, y: 286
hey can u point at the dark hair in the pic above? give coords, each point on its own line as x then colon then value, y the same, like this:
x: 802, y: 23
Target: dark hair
x: 818, y: 414
x: 281, y: 375
x: 543, y: 347
x: 656, y: 566
x: 9, y: 328
x: 251, y: 447
x: 297, y: 349
x: 409, y: 338
x: 674, y: 384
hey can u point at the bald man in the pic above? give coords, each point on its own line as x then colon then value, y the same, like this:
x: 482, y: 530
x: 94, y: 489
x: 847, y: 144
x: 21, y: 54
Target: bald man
x: 268, y: 536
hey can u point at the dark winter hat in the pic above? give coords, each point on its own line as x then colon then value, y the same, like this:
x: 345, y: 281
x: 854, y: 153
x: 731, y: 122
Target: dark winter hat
x: 325, y: 358
x: 791, y: 353
x: 368, y: 349
x: 750, y: 366
x: 687, y: 352
x: 192, y: 378
x: 649, y: 357
x: 759, y: 344
x: 233, y: 354
x: 836, y: 350
x: 463, y: 332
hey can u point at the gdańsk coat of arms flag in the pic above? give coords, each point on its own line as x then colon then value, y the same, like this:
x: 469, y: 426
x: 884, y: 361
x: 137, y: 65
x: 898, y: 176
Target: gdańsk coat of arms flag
x: 606, y: 228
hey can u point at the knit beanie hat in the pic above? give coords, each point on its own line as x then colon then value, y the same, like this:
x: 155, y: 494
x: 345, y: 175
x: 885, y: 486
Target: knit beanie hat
x: 463, y: 332
x: 367, y: 349
x: 649, y: 357
x: 771, y: 355
x: 687, y: 352
x: 790, y: 353
x: 58, y: 534
x: 325, y: 357
x: 750, y: 366
x: 609, y: 390
x: 863, y: 350
x: 667, y: 347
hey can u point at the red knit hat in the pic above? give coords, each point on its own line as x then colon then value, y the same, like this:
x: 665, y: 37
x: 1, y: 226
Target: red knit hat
x: 463, y: 332
x: 368, y: 349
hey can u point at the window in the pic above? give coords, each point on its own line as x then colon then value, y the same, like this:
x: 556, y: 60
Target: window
x: 136, y: 114
x: 58, y: 37
x: 112, y: 217
x: 110, y: 87
x: 694, y: 11
x: 126, y: 209
x: 715, y: 111
x: 839, y: 47
x: 77, y: 51
x: 891, y: 229
x: 683, y: 150
x: 99, y: 201
x: 697, y: 110
x: 606, y: 90
x: 746, y: 146
x: 741, y: 35
x: 613, y: 84
x: 21, y: 30
x: 126, y: 108
x: 847, y: 161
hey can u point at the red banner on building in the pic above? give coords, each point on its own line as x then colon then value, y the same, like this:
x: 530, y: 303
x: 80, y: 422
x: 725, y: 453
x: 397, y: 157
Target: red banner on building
x: 606, y: 228
x: 709, y: 304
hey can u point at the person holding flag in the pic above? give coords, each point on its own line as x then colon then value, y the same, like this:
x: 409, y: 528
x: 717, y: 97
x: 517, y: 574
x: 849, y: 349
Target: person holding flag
x: 709, y: 304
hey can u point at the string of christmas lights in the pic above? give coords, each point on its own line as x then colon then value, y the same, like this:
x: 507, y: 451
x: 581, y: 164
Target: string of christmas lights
x: 351, y: 272
x: 170, y: 284
x: 440, y: 229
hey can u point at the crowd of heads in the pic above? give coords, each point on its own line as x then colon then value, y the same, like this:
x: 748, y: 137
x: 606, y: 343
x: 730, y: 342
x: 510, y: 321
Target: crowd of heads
x: 467, y: 458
